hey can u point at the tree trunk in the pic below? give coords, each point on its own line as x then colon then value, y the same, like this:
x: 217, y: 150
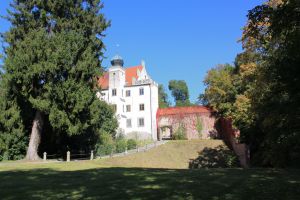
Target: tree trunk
x: 35, y: 137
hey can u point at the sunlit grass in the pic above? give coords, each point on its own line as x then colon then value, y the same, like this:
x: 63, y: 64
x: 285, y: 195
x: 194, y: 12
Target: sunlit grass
x: 158, y: 178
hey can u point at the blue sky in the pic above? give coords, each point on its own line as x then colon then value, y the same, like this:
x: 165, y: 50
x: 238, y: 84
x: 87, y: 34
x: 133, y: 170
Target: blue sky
x: 177, y: 39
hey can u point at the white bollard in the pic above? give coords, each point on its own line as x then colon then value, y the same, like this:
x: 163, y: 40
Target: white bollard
x: 68, y: 156
x: 92, y: 155
x: 45, y: 156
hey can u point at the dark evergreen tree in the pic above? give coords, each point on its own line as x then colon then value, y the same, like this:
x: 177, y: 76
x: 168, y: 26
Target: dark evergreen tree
x: 52, y: 61
x: 163, y: 97
x: 180, y: 92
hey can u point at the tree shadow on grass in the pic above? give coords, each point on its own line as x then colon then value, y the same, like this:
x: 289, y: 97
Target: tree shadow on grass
x: 139, y: 183
x: 217, y: 157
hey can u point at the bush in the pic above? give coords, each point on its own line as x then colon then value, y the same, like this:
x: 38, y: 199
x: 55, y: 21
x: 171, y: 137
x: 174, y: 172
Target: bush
x: 106, y: 145
x: 218, y: 157
x: 121, y: 144
x: 131, y: 144
x: 180, y: 133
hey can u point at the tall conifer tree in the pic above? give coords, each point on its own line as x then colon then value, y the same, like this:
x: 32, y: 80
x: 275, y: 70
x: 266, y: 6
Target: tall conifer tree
x: 52, y: 59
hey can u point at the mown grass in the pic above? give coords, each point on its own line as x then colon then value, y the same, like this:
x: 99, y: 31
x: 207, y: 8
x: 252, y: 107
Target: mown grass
x: 99, y: 179
x: 172, y: 155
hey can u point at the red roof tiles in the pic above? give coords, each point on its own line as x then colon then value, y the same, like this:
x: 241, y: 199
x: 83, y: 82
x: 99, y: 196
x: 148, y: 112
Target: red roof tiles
x: 103, y: 81
x: 183, y: 110
x: 130, y: 73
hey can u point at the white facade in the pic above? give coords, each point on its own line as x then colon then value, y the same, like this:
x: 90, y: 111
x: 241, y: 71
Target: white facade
x: 135, y: 97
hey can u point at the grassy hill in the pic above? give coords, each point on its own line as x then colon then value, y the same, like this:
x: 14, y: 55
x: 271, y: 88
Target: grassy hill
x: 160, y: 173
x: 172, y: 155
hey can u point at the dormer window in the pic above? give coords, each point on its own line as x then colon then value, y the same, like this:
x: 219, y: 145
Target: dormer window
x: 114, y: 92
x: 141, y: 91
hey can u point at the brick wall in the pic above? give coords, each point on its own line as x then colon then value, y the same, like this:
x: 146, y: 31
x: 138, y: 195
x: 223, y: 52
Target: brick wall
x: 189, y: 121
x: 230, y: 135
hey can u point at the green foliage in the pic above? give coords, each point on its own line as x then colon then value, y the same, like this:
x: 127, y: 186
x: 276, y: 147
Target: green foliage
x: 180, y: 92
x: 261, y: 93
x: 199, y: 127
x: 218, y: 157
x: 276, y: 94
x: 131, y: 144
x: 106, y: 146
x: 220, y: 91
x: 52, y: 59
x: 180, y: 133
x: 162, y: 97
x: 121, y: 144
x: 12, y: 134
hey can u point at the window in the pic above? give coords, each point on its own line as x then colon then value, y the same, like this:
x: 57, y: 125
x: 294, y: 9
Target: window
x: 114, y: 106
x: 127, y: 93
x: 128, y: 123
x: 142, y: 107
x: 114, y: 92
x: 141, y: 122
x: 128, y: 108
x: 141, y: 91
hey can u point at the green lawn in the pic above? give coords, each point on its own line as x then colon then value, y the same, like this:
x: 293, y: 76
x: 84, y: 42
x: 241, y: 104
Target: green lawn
x: 172, y: 155
x: 102, y: 180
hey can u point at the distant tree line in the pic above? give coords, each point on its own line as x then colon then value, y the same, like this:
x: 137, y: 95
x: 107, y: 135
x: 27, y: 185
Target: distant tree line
x: 261, y: 91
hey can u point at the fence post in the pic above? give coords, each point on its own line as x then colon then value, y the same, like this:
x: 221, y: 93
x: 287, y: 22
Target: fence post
x: 68, y: 156
x: 92, y: 155
x: 125, y: 151
x: 111, y: 153
x: 45, y: 156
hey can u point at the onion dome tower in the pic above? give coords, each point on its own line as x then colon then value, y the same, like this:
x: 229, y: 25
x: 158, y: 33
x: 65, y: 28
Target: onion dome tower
x: 117, y: 61
x: 117, y: 73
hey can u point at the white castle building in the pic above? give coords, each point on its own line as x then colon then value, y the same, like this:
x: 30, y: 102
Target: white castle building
x: 134, y: 96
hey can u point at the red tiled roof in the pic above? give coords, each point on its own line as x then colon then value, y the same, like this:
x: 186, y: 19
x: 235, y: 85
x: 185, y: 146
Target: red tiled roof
x: 130, y: 73
x: 183, y: 110
x: 103, y: 81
